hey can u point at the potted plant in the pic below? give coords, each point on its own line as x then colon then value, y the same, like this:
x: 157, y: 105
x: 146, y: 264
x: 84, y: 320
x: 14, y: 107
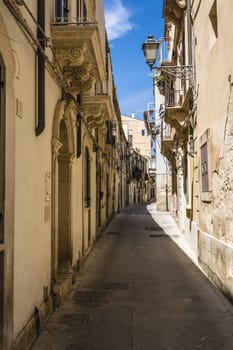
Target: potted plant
x: 160, y: 83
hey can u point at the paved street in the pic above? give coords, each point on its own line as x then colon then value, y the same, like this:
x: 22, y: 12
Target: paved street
x: 138, y: 290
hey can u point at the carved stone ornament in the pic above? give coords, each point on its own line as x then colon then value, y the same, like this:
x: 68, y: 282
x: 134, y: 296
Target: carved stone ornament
x: 79, y: 76
x: 95, y: 116
x: 82, y: 73
x: 70, y: 110
x: 181, y: 3
x: 70, y: 56
x: 78, y: 86
x: 174, y: 10
x: 56, y: 145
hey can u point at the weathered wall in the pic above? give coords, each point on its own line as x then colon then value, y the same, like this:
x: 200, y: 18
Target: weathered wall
x: 214, y: 117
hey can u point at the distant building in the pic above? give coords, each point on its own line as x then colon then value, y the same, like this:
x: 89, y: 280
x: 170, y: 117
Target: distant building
x: 142, y: 166
x: 135, y: 132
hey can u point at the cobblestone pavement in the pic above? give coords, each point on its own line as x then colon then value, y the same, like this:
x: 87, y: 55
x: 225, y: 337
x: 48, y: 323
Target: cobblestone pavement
x: 138, y: 290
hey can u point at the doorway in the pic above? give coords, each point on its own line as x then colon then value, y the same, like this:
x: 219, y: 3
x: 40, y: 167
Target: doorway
x: 64, y: 168
x: 87, y: 192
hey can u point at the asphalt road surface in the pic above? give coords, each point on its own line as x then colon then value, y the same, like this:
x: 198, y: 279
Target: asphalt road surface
x: 138, y: 290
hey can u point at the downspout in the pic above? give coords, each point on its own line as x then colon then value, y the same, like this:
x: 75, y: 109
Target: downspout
x: 189, y: 24
x: 40, y: 69
x: 79, y: 127
x: 79, y: 135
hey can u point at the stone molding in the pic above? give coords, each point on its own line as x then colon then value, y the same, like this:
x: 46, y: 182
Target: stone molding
x: 96, y: 110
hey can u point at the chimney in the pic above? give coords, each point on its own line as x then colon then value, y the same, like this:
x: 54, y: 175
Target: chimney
x: 133, y: 115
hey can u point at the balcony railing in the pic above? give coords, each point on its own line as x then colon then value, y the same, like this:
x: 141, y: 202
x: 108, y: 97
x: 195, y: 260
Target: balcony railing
x: 177, y: 82
x: 166, y: 132
x: 80, y: 12
x: 178, y: 72
x: 167, y: 139
x: 73, y: 20
x: 174, y: 98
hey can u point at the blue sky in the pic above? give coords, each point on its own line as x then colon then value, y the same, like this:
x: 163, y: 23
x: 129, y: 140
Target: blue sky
x: 128, y: 24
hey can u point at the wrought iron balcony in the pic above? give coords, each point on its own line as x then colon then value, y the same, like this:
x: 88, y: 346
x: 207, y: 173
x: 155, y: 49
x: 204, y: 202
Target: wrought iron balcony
x: 178, y: 93
x: 178, y: 72
x: 167, y: 139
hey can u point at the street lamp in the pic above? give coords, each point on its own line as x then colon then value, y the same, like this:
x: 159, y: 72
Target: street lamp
x: 150, y: 49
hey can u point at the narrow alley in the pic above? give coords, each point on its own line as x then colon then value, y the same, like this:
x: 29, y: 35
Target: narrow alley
x: 140, y: 290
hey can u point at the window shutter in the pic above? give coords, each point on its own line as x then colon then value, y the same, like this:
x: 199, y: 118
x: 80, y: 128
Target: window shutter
x: 204, y: 168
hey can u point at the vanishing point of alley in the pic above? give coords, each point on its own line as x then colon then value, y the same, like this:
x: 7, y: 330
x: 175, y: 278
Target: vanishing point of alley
x: 139, y: 289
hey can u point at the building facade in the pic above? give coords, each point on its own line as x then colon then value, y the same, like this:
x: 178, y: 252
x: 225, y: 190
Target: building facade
x: 62, y: 170
x: 213, y: 140
x: 198, y: 109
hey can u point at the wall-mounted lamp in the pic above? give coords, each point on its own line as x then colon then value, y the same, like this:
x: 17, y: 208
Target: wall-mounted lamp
x: 150, y: 49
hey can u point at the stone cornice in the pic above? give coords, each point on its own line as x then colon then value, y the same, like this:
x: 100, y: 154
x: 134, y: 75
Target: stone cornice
x: 96, y: 110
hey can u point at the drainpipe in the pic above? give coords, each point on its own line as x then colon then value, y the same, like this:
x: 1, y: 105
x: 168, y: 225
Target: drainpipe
x: 189, y: 24
x: 40, y: 70
x: 79, y: 128
x: 79, y: 136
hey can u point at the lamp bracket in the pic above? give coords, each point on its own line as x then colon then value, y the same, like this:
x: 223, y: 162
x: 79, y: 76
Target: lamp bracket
x: 178, y: 72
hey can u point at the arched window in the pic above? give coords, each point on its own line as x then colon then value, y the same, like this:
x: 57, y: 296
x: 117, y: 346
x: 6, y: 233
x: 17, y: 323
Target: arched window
x: 87, y: 179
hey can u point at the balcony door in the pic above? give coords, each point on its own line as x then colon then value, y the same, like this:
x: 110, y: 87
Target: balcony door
x: 81, y: 11
x: 61, y: 11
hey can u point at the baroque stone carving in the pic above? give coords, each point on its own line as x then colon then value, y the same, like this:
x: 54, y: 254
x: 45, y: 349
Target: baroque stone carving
x: 181, y: 3
x: 78, y: 75
x: 173, y: 11
x: 95, y: 116
x: 81, y: 73
x: 70, y: 56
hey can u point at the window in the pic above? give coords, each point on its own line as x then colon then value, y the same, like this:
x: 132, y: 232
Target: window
x: 143, y: 132
x: 87, y: 179
x: 109, y: 134
x: 204, y: 168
